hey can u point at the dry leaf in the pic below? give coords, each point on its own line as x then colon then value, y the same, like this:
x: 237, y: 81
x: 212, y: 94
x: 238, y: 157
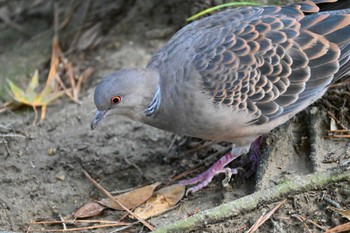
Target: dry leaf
x: 131, y: 199
x: 344, y: 213
x: 89, y: 210
x: 162, y: 200
x: 32, y: 97
x: 341, y: 228
x: 333, y: 125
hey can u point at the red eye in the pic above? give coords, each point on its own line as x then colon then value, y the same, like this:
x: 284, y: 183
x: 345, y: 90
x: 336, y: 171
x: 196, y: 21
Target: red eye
x: 116, y: 99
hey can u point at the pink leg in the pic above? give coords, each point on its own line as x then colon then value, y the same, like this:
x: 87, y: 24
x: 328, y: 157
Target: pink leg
x: 253, y: 160
x: 218, y: 167
x: 205, y: 178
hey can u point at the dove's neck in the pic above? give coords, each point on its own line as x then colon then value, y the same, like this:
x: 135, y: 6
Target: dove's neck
x: 147, y: 96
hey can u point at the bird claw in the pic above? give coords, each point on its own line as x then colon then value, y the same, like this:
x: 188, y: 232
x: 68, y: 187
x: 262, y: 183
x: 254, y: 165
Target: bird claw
x: 228, y: 174
x: 206, y: 177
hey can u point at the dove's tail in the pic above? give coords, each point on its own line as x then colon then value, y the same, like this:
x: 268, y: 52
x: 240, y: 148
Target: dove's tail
x: 330, y: 5
x: 336, y: 29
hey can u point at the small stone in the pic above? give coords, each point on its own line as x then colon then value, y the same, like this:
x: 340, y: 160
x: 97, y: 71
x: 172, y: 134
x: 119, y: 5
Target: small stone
x: 60, y: 177
x: 314, y: 110
x: 51, y: 151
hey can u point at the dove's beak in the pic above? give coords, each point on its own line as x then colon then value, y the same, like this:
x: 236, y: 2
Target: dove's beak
x: 100, y: 115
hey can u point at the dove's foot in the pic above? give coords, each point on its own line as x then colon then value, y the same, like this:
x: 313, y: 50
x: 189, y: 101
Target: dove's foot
x: 254, y: 158
x: 205, y: 178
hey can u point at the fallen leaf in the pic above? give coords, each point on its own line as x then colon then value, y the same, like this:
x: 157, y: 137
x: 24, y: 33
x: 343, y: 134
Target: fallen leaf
x: 161, y: 201
x: 344, y: 213
x: 131, y: 199
x: 32, y: 97
x: 341, y: 228
x: 89, y: 210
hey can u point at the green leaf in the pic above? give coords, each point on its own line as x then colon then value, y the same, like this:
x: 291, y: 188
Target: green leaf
x: 34, y: 83
x: 17, y: 93
x: 31, y: 96
x: 233, y: 4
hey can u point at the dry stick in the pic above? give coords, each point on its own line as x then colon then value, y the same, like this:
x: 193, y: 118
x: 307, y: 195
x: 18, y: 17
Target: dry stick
x: 12, y: 24
x: 337, y: 136
x: 202, y: 164
x: 80, y: 28
x: 339, y: 131
x: 263, y: 218
x: 12, y: 135
x: 86, y: 73
x: 69, y: 12
x: 250, y: 202
x: 200, y: 147
x: 35, y: 115
x: 76, y: 221
x: 304, y: 220
x: 105, y: 192
x: 66, y: 90
x: 186, y: 173
x: 300, y: 219
x: 331, y: 114
x: 80, y: 228
x: 346, y: 82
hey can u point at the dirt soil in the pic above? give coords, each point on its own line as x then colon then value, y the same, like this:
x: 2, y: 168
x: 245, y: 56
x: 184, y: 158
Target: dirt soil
x: 41, y: 167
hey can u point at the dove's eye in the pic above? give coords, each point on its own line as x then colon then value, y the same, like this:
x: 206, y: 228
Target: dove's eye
x: 116, y: 99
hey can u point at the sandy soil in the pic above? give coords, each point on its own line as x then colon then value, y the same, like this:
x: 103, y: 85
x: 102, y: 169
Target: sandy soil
x: 41, y: 169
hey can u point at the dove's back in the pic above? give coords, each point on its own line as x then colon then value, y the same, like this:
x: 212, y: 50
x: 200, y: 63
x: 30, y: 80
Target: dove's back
x: 240, y: 73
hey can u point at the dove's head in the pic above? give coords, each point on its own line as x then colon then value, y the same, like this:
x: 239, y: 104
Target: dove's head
x: 126, y: 92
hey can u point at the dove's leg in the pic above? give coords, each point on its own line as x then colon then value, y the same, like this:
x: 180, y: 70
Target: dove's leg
x: 205, y: 178
x: 254, y: 157
x: 219, y: 166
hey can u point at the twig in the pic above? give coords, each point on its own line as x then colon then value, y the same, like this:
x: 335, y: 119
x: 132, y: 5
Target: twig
x: 105, y: 192
x: 72, y: 221
x: 263, y: 218
x: 134, y: 165
x: 304, y: 221
x: 344, y: 83
x: 250, y: 202
x: 185, y: 173
x: 86, y: 73
x: 216, y: 154
x: 12, y: 135
x: 332, y: 202
x: 172, y: 143
x: 337, y: 136
x: 4, y: 17
x: 331, y: 114
x: 63, y: 223
x: 80, y: 29
x: 79, y: 228
x: 200, y: 147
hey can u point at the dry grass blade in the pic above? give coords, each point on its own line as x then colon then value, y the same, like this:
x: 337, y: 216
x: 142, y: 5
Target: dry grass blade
x: 263, y: 218
x: 104, y: 191
x: 304, y: 221
x: 339, y: 133
x: 186, y: 173
x: 75, y: 221
x: 8, y: 106
x: 79, y: 228
x: 104, y: 224
x: 55, y: 61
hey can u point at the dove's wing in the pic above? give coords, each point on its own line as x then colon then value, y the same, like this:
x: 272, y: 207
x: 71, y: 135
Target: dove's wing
x: 270, y: 60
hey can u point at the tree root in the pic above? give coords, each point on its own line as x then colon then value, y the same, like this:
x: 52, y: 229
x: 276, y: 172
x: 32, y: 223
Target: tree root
x: 245, y: 204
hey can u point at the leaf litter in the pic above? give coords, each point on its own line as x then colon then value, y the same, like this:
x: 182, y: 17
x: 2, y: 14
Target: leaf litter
x: 54, y: 87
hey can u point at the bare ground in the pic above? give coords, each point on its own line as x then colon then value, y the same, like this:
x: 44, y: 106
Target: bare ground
x: 41, y: 167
